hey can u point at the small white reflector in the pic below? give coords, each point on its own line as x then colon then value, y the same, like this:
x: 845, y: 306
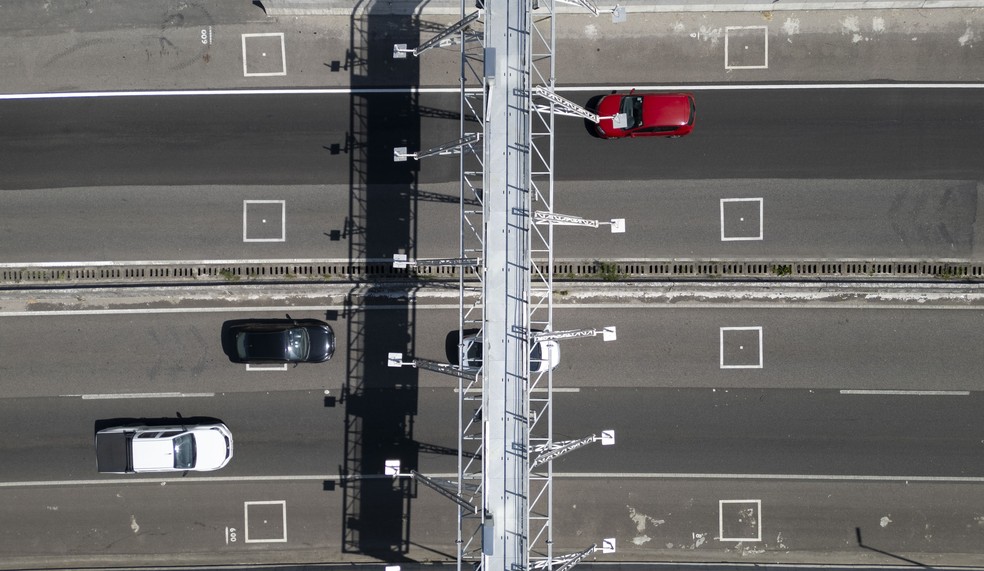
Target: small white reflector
x: 607, y: 437
x: 392, y: 468
x: 394, y: 360
x: 608, y: 333
x: 608, y: 545
x: 618, y: 225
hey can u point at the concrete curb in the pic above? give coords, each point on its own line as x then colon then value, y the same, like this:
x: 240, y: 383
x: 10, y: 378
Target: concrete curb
x: 450, y: 7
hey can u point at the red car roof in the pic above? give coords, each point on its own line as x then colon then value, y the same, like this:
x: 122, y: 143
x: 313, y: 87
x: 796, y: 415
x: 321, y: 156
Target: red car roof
x: 665, y: 109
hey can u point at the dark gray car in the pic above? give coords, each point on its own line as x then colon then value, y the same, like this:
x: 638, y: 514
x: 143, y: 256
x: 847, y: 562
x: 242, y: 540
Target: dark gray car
x: 302, y: 341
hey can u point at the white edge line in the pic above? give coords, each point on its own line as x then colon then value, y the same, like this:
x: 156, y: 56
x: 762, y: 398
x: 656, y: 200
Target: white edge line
x: 594, y: 88
x: 109, y: 396
x: 905, y: 392
x: 567, y: 475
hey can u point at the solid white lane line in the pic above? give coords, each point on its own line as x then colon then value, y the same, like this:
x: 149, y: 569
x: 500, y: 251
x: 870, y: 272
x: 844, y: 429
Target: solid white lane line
x: 563, y: 475
x: 905, y: 393
x: 448, y: 306
x: 422, y: 90
x: 109, y: 396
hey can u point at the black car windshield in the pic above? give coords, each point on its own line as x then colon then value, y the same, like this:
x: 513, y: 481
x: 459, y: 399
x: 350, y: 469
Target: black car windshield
x: 298, y: 344
x: 632, y: 107
x: 184, y: 451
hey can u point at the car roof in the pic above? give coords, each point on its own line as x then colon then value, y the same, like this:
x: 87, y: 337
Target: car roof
x: 664, y: 109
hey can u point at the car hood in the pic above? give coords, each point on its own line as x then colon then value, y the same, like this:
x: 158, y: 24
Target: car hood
x: 322, y: 341
x: 211, y: 449
x: 608, y: 106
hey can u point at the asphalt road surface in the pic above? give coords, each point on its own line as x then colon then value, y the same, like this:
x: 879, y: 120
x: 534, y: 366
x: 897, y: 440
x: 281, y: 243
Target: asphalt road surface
x: 927, y: 134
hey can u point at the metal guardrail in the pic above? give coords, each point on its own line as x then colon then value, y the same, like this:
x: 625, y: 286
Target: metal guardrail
x: 165, y: 273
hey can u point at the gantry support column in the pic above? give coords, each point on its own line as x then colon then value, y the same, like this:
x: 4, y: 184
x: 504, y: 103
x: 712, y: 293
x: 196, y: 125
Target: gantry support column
x: 507, y: 279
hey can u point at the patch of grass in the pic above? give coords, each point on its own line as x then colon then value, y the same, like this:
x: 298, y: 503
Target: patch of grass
x: 228, y: 275
x: 609, y: 272
x: 783, y: 270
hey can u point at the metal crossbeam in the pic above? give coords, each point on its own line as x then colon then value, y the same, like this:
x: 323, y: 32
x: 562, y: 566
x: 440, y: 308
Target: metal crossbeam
x: 563, y: 106
x: 400, y: 154
x: 442, y: 488
x: 554, y: 450
x: 401, y: 261
x: 541, y: 217
x: 565, y: 561
x: 396, y: 360
x: 441, y: 39
x: 608, y: 333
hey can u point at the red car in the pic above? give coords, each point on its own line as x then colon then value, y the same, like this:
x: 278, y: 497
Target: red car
x: 647, y: 115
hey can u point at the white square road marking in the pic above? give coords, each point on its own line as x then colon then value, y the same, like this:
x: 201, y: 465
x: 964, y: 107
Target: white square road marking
x: 725, y: 221
x: 757, y: 365
x: 753, y: 512
x: 765, y: 47
x: 283, y: 221
x: 264, y: 524
x: 283, y: 55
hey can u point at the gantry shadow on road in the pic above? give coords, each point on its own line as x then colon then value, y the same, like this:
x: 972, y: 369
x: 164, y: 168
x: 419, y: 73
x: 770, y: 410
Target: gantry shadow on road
x: 380, y: 402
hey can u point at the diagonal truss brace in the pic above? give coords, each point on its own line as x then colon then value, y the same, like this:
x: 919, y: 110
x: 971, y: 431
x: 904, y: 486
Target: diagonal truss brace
x: 553, y: 450
x: 400, y: 154
x: 443, y: 39
x: 444, y: 488
x: 565, y: 561
x: 401, y: 261
x: 396, y: 360
x: 564, y: 106
x: 618, y: 12
x: 542, y: 217
x: 607, y: 334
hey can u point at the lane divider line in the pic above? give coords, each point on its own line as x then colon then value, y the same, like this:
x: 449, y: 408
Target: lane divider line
x: 108, y: 396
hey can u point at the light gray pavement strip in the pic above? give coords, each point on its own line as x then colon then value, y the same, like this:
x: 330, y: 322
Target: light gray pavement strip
x: 804, y: 219
x: 111, y: 47
x: 245, y: 298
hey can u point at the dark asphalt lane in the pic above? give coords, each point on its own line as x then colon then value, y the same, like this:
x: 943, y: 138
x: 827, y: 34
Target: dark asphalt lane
x: 658, y: 431
x: 330, y: 139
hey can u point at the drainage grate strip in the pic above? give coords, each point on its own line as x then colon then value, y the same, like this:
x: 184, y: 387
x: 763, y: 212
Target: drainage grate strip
x: 163, y: 273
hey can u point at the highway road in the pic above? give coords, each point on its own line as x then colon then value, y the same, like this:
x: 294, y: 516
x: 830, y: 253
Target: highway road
x: 878, y: 419
x: 798, y: 347
x: 924, y: 134
x: 800, y: 219
x: 873, y: 174
x: 841, y: 433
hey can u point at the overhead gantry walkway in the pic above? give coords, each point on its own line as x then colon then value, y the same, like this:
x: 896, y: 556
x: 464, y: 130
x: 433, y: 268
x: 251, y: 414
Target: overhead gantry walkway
x: 504, y: 491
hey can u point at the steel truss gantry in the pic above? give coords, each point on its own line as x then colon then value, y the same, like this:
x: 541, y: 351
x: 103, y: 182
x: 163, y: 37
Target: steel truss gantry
x: 507, y: 106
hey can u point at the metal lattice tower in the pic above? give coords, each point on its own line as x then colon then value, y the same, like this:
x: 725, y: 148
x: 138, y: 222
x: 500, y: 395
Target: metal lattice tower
x: 506, y: 147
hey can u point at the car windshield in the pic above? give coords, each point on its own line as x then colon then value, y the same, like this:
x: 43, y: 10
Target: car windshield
x: 298, y: 344
x: 632, y: 107
x: 184, y: 451
x: 474, y: 353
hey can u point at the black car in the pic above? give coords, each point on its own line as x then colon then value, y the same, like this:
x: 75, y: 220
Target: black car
x: 307, y: 341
